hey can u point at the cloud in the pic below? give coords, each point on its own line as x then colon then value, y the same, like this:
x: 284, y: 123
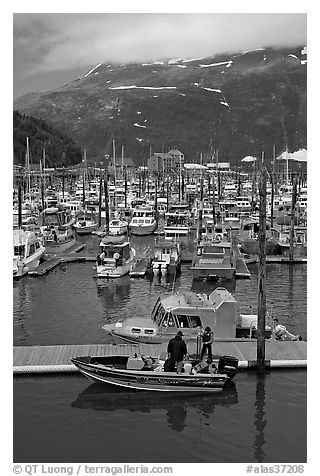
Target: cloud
x: 56, y: 42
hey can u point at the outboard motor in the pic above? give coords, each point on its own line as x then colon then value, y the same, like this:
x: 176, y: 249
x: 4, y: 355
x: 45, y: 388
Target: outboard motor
x: 281, y: 333
x: 228, y: 365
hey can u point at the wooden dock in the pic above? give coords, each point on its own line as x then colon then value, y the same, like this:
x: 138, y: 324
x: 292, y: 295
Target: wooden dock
x: 276, y: 259
x: 56, y: 359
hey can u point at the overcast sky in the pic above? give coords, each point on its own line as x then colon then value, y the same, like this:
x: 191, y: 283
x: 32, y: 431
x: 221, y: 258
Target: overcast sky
x: 50, y: 49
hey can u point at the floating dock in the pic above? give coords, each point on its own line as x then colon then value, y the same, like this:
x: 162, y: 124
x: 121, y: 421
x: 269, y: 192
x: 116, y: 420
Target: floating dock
x: 276, y: 259
x: 56, y: 359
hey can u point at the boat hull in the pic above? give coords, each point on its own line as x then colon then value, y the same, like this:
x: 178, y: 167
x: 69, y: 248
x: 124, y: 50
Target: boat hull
x: 85, y: 230
x: 27, y: 265
x: 152, y: 380
x: 60, y: 247
x: 143, y: 229
x: 110, y: 271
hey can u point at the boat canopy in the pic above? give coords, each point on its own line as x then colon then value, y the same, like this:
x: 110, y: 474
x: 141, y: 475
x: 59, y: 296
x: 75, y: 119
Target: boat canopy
x: 113, y: 240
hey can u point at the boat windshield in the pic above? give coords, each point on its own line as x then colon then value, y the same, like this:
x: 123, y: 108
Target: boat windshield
x: 158, y: 312
x: 188, y: 321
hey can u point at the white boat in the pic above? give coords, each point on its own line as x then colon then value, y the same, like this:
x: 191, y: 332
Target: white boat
x: 167, y: 258
x: 57, y: 229
x: 118, y: 227
x: 85, y: 224
x: 116, y: 257
x: 143, y: 220
x: 27, y: 251
x: 176, y: 225
x: 190, y: 313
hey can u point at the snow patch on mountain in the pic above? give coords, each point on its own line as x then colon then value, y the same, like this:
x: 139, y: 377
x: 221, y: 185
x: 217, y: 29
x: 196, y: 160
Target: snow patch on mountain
x: 228, y: 63
x: 139, y: 125
x: 143, y: 87
x: 250, y: 51
x: 224, y: 103
x: 293, y: 56
x: 213, y: 90
x: 192, y: 59
x: 92, y: 70
x: 303, y: 61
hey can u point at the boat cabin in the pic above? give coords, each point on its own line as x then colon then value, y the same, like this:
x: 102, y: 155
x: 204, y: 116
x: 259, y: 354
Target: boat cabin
x: 166, y: 252
x: 191, y: 312
x: 115, y: 248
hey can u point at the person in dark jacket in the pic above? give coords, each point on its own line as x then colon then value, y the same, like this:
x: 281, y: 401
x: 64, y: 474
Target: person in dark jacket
x: 207, y: 339
x: 177, y: 350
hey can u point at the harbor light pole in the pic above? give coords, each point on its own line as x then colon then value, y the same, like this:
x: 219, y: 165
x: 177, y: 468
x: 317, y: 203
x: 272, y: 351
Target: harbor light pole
x: 262, y: 275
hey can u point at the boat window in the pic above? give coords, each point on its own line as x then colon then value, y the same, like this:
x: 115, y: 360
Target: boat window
x: 31, y: 249
x: 148, y: 331
x: 168, y: 320
x: 160, y: 314
x: 183, y: 320
x: 135, y: 330
x: 195, y: 321
x: 19, y: 250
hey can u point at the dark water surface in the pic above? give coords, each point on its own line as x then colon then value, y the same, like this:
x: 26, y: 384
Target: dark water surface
x: 66, y: 419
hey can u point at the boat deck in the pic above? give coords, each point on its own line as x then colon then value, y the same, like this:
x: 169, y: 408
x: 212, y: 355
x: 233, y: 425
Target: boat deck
x: 56, y: 359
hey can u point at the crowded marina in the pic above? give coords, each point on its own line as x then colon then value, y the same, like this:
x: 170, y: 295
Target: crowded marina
x: 207, y: 216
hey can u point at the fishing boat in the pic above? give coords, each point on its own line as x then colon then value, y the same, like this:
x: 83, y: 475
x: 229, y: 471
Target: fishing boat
x: 176, y: 223
x: 57, y: 229
x: 190, y: 313
x: 27, y: 252
x: 118, y: 226
x: 249, y: 233
x: 147, y: 373
x: 85, y: 223
x: 116, y: 257
x: 143, y: 220
x: 214, y: 261
x: 166, y: 258
x: 299, y: 241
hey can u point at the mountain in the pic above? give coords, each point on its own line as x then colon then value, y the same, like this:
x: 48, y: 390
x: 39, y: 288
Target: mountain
x: 59, y: 148
x: 241, y: 104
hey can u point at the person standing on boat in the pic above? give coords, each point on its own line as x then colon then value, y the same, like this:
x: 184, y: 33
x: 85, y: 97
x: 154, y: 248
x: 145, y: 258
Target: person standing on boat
x: 207, y: 340
x: 177, y: 350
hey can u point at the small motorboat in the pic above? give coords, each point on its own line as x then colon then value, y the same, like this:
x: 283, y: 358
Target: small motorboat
x: 116, y: 257
x: 118, y: 227
x: 147, y: 373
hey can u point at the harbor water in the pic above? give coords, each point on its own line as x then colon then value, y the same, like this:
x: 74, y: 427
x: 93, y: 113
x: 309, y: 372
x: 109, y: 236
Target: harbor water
x: 67, y: 419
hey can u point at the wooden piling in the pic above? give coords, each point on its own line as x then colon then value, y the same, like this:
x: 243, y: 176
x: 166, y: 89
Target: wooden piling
x: 262, y: 275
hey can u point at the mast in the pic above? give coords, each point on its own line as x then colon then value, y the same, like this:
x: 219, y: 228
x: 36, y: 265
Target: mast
x: 125, y: 187
x: 100, y: 201
x: 28, y: 168
x: 42, y: 178
x: 106, y: 195
x: 200, y: 205
x: 262, y: 275
x: 19, y: 205
x: 115, y: 171
x: 292, y: 222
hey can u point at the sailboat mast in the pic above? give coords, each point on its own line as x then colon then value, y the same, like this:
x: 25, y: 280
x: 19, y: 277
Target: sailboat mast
x: 115, y: 171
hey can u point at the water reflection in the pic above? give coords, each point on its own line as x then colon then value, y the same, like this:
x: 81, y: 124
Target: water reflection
x: 207, y: 286
x: 259, y: 420
x: 114, y: 292
x: 99, y: 398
